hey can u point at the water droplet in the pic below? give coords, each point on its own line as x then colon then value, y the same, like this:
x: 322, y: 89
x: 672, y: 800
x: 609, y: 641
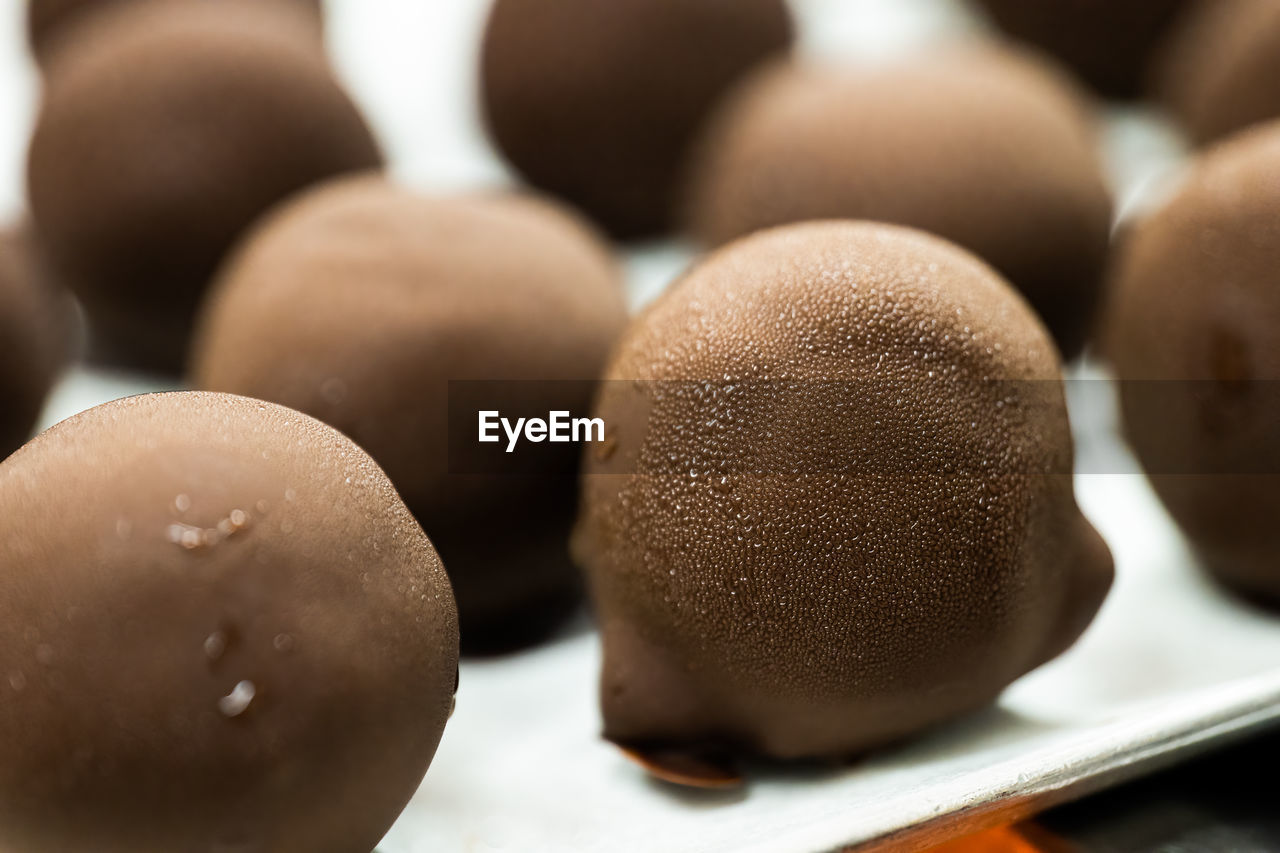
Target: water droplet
x: 44, y: 654
x: 187, y: 536
x: 124, y: 528
x: 18, y: 681
x: 237, y: 701
x: 182, y: 503
x: 290, y: 495
x: 282, y: 642
x: 215, y: 645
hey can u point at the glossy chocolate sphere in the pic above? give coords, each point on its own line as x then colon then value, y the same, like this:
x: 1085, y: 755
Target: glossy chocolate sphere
x: 362, y: 302
x: 1222, y: 70
x: 220, y: 630
x: 165, y: 130
x: 599, y: 102
x: 33, y: 340
x: 49, y: 20
x: 1109, y: 43
x: 992, y: 151
x: 837, y: 507
x: 1191, y: 331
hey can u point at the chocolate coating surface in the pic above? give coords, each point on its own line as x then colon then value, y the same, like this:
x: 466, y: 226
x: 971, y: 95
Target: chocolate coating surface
x: 165, y: 130
x: 1221, y: 72
x: 1109, y: 43
x: 599, y: 103
x: 839, y: 506
x: 47, y: 20
x: 1192, y: 335
x: 33, y: 341
x: 220, y: 628
x: 361, y: 302
x: 990, y: 151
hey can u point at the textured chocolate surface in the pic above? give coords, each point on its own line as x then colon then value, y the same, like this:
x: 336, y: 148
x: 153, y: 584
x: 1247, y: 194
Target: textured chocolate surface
x: 165, y: 130
x: 359, y: 304
x: 49, y: 20
x: 838, y: 506
x: 599, y: 102
x: 1109, y: 43
x: 1191, y: 331
x: 989, y: 150
x: 34, y: 333
x: 220, y: 629
x: 1221, y: 72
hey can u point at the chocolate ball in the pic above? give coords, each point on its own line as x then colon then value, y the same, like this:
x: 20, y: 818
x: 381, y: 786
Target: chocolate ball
x: 599, y: 103
x: 989, y: 150
x: 1192, y: 337
x: 165, y: 130
x: 33, y: 341
x: 1109, y: 43
x: 837, y: 507
x: 1222, y: 69
x: 47, y: 20
x: 383, y: 313
x: 221, y: 630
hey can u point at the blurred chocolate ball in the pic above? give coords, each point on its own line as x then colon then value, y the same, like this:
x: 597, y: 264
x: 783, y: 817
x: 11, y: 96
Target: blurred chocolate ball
x: 34, y: 339
x: 48, y: 20
x: 165, y: 131
x: 221, y: 630
x: 598, y: 102
x: 988, y: 149
x: 1222, y: 69
x: 1192, y: 334
x: 1109, y: 43
x: 383, y: 313
x: 838, y: 508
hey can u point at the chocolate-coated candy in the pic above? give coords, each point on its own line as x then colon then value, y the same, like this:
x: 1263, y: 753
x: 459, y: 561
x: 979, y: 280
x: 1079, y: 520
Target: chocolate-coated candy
x: 599, y: 102
x: 1192, y: 334
x: 1109, y: 43
x: 33, y: 340
x: 837, y: 507
x: 361, y: 302
x: 165, y: 130
x: 1221, y: 72
x: 48, y: 20
x: 990, y: 150
x: 220, y: 629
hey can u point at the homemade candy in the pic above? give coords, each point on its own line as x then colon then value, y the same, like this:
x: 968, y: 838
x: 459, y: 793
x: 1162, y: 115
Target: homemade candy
x: 165, y: 130
x: 361, y: 303
x: 990, y: 150
x: 837, y: 507
x: 220, y: 629
x: 1192, y: 334
x: 599, y: 102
